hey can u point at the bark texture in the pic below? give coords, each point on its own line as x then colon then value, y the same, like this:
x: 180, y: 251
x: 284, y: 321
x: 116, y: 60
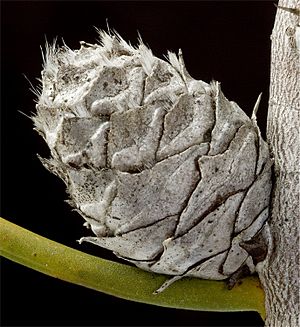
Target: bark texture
x: 280, y: 272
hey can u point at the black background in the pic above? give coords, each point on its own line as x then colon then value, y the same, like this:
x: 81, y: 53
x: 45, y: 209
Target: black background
x: 226, y: 41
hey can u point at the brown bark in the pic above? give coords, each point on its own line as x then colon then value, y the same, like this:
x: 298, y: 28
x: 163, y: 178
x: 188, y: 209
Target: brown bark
x: 280, y: 272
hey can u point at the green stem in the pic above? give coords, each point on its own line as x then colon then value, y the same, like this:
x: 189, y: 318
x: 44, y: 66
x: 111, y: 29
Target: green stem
x: 121, y: 280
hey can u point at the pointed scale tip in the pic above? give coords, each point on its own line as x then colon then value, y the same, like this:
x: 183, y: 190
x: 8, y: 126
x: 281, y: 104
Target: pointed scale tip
x: 253, y: 117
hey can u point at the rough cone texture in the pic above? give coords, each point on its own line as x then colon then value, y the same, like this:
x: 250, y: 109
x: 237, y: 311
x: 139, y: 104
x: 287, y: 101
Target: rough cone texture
x: 167, y: 172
